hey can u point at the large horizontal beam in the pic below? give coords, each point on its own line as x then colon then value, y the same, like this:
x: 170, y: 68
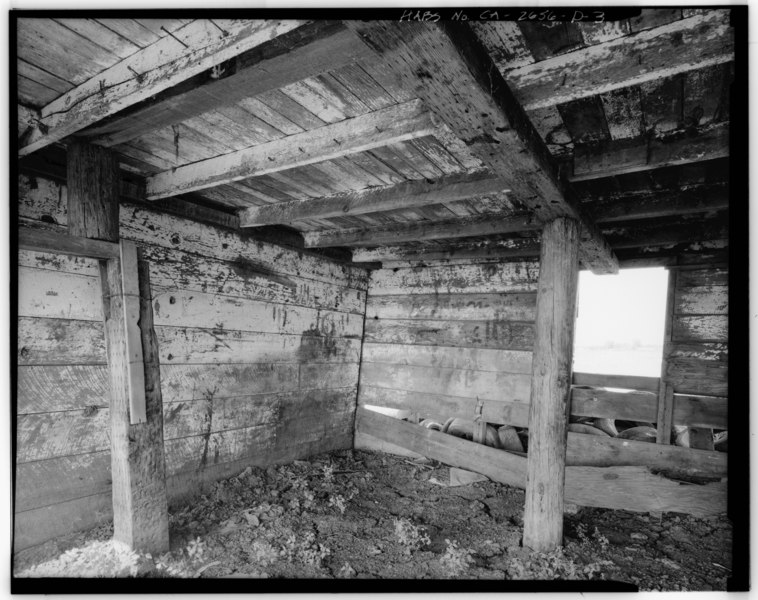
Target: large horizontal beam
x: 496, y: 250
x: 149, y: 71
x: 303, y: 52
x: 386, y: 126
x: 694, y: 43
x: 624, y: 156
x: 42, y: 240
x: 446, y: 66
x: 482, y: 225
x: 411, y: 194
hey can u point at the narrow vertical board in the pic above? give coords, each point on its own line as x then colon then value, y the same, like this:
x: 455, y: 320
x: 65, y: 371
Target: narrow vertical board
x: 551, y: 382
x: 132, y: 338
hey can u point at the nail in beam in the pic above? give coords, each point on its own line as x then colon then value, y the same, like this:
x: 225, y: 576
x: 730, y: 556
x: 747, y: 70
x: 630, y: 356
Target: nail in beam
x: 551, y: 381
x: 140, y: 511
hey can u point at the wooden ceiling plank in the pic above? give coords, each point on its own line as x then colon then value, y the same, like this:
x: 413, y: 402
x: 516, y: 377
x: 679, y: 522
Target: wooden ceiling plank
x: 363, y: 87
x: 396, y: 123
x: 421, y: 231
x: 143, y: 75
x: 102, y: 36
x: 268, y: 115
x: 619, y: 158
x: 404, y: 195
x: 467, y: 92
x: 683, y: 45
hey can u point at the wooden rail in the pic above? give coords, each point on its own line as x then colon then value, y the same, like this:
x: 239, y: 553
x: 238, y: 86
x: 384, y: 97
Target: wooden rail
x: 42, y: 240
x: 632, y: 488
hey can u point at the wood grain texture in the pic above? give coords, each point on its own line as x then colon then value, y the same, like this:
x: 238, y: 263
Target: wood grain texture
x: 206, y: 346
x: 477, y: 307
x: 508, y: 249
x: 392, y: 124
x: 676, y: 47
x: 551, y: 383
x: 468, y: 92
x: 93, y: 192
x: 478, y: 226
x: 149, y: 71
x: 50, y: 435
x: 404, y: 195
x: 700, y: 328
x: 456, y: 279
x: 53, y: 388
x: 500, y: 334
x: 48, y: 241
x: 60, y: 341
x: 51, y: 294
x: 506, y: 361
x: 467, y: 383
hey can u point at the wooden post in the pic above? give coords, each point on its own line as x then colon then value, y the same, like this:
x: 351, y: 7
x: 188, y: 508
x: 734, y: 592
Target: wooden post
x: 666, y: 391
x: 551, y: 383
x: 140, y: 511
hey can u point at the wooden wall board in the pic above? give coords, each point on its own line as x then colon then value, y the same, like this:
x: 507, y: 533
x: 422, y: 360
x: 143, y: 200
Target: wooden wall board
x: 51, y: 294
x: 500, y: 334
x: 701, y: 328
x: 204, y: 346
x: 48, y: 435
x: 514, y: 277
x: 60, y: 342
x: 702, y: 300
x: 467, y: 383
x: 505, y: 42
x: 484, y: 359
x: 48, y: 482
x: 36, y: 526
x: 693, y: 376
x: 458, y: 307
x: 53, y: 388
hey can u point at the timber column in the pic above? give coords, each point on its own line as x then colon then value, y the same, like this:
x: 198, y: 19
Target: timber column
x: 140, y: 510
x: 551, y: 383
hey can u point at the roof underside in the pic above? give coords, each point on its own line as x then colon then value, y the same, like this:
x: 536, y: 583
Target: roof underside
x: 395, y: 140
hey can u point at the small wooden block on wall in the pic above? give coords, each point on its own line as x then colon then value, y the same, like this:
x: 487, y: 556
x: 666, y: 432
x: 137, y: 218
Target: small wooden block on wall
x: 134, y: 360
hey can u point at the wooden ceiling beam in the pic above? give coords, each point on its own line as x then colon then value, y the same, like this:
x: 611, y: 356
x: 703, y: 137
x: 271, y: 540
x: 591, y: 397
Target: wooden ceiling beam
x: 410, y: 194
x: 686, y: 45
x: 481, y: 225
x: 147, y: 72
x: 393, y: 124
x: 303, y: 52
x: 446, y: 65
x: 623, y: 156
x: 656, y: 204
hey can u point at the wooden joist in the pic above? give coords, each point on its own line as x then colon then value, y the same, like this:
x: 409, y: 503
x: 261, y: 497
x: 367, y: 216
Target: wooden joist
x: 390, y: 125
x: 304, y: 52
x: 446, y: 65
x: 405, y: 195
x: 147, y: 72
x: 632, y: 488
x: 684, y: 45
x: 40, y: 240
x: 482, y: 225
x: 620, y: 157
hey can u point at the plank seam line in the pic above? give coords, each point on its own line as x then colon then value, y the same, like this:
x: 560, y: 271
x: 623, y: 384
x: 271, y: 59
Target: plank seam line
x: 27, y: 510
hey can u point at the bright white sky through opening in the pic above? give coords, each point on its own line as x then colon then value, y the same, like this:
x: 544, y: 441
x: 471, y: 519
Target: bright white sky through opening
x: 619, y: 326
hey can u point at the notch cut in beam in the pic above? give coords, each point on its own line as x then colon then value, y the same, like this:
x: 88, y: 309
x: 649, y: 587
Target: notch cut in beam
x: 620, y: 157
x: 447, y: 66
x: 409, y: 194
x: 42, y: 240
x: 317, y: 47
x: 686, y: 45
x: 389, y: 125
x: 418, y: 232
x: 149, y: 71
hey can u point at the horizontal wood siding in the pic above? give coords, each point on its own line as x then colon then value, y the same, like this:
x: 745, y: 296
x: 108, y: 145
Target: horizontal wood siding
x: 697, y: 365
x: 259, y: 348
x: 440, y: 340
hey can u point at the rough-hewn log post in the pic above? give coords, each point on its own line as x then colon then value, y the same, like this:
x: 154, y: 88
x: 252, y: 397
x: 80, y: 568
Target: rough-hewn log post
x: 140, y: 512
x: 551, y: 381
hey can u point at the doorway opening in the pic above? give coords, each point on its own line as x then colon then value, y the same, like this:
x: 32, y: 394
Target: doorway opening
x: 620, y: 322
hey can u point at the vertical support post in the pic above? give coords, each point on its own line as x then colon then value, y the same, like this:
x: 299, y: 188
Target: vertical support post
x: 665, y: 390
x: 551, y: 384
x: 140, y: 511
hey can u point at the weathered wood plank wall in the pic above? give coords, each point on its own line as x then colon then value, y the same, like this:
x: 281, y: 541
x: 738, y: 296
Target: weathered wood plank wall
x: 259, y: 349
x: 697, y: 356
x: 439, y: 340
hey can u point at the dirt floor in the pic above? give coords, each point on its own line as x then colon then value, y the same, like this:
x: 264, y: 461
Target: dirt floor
x: 372, y: 515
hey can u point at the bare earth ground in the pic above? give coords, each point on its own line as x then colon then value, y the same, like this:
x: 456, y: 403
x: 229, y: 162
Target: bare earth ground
x: 372, y: 515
